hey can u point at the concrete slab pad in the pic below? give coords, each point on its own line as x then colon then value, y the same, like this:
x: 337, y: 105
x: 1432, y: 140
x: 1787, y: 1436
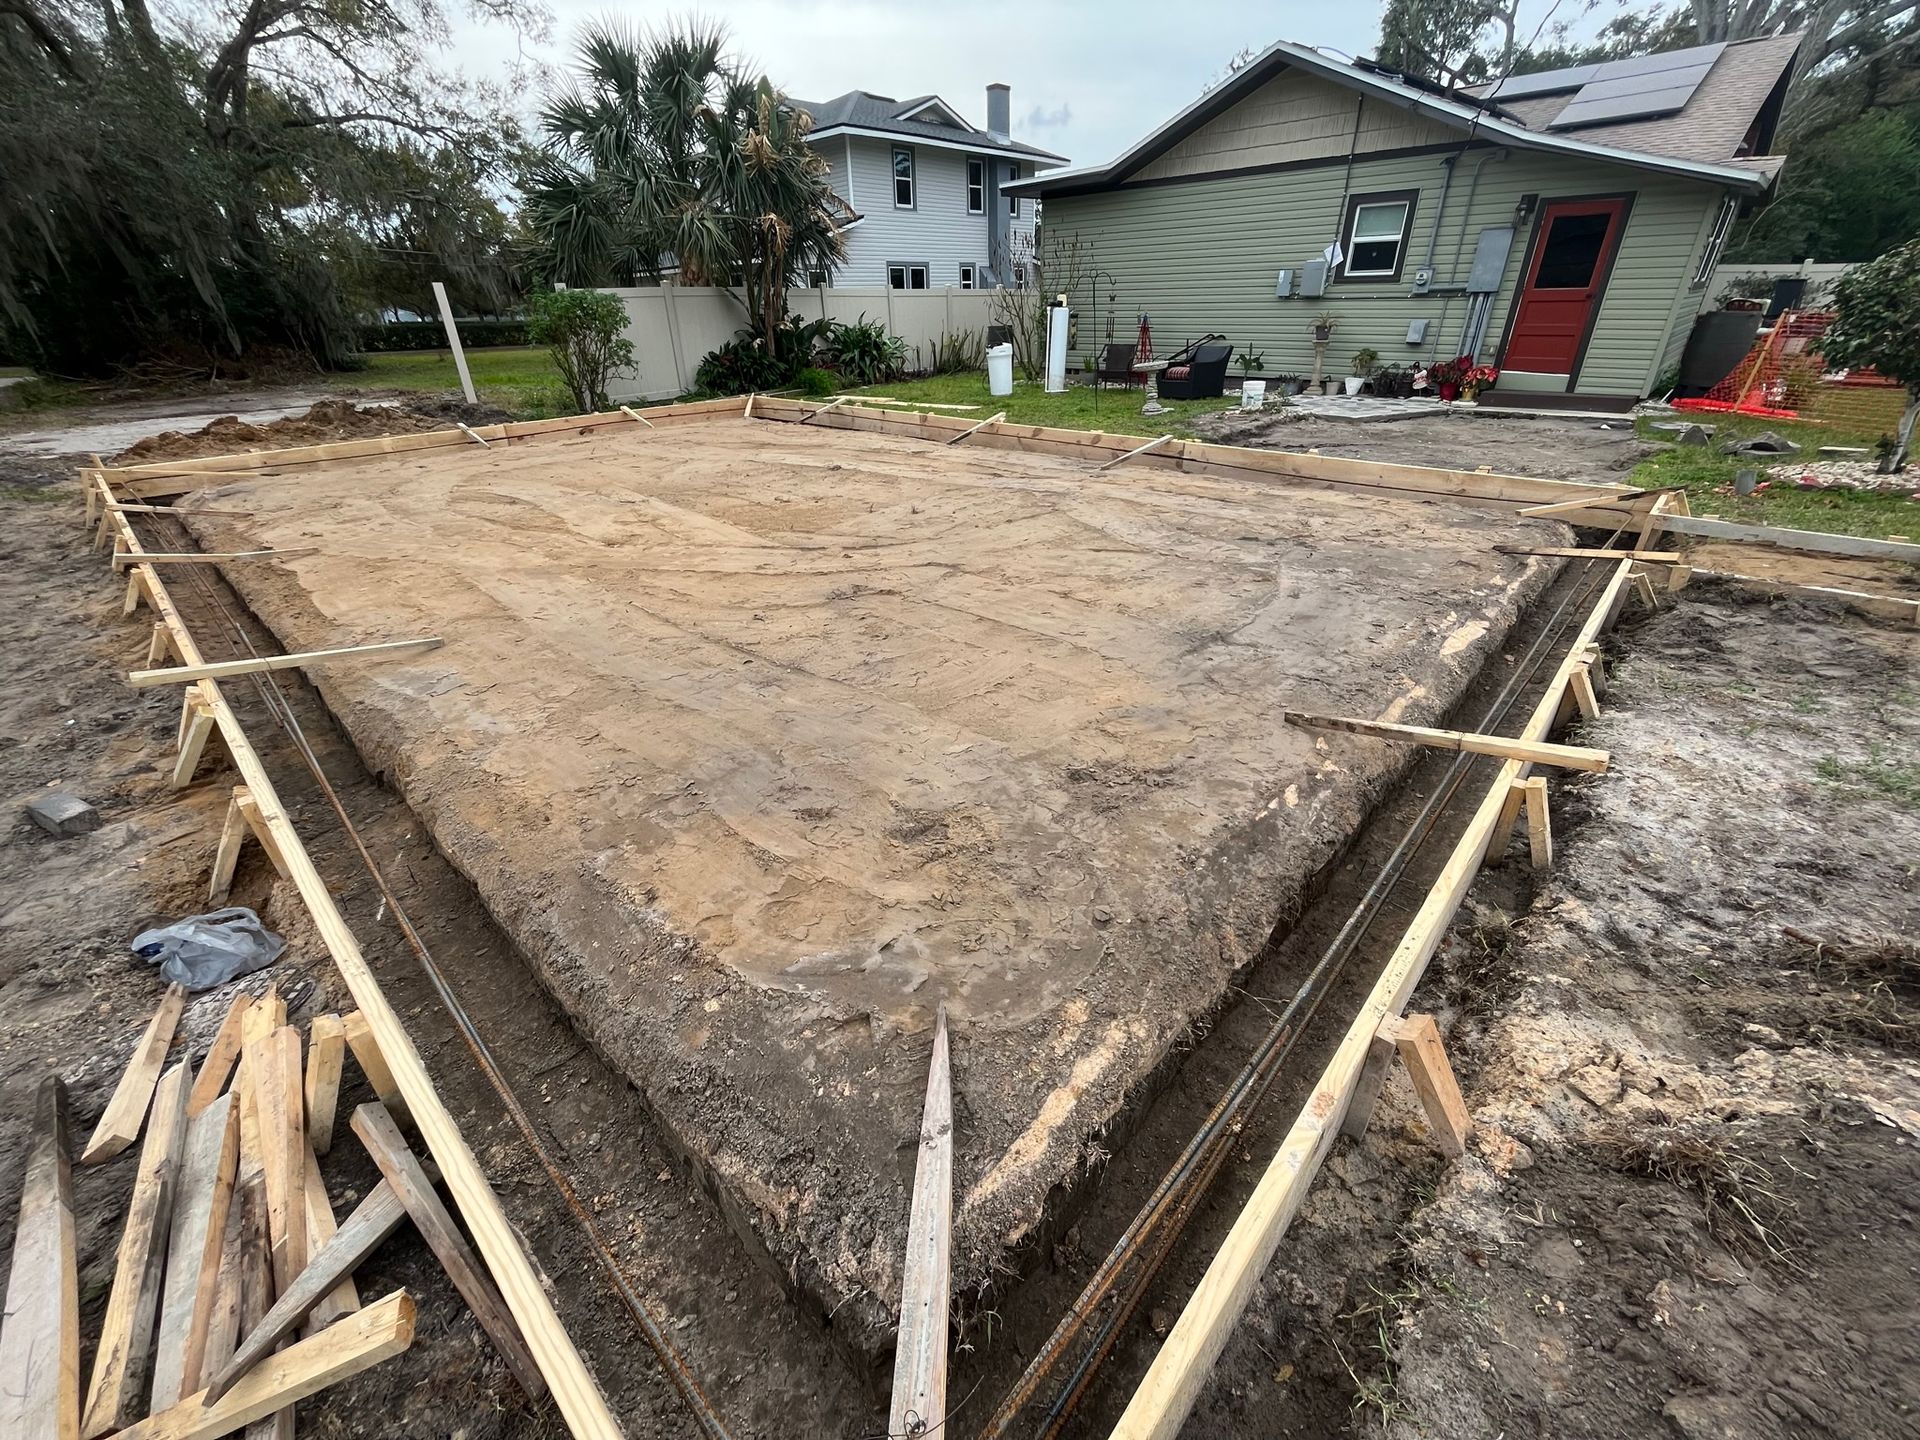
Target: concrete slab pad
x: 762, y: 740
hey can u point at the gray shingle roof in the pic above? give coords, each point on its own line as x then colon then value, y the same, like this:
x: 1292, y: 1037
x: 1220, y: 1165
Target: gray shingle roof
x: 866, y: 111
x: 1713, y: 124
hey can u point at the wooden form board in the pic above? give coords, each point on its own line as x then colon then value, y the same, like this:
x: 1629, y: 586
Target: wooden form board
x: 40, y: 1328
x: 576, y: 1393
x: 120, y: 1121
x: 1165, y: 1396
x: 116, y: 1387
x: 1886, y: 607
x: 1534, y: 752
x: 355, y: 1344
x: 918, y: 1403
x: 227, y: 669
x: 179, y: 477
x: 193, y: 1250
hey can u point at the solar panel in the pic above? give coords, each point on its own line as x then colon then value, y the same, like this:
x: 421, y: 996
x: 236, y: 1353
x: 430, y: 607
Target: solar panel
x: 1544, y: 82
x: 1643, y: 88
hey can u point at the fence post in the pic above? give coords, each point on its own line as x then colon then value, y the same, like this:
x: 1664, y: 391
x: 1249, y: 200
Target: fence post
x: 667, y: 288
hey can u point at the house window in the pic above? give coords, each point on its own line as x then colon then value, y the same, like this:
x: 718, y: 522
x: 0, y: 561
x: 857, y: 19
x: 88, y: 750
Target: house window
x: 976, y: 186
x: 906, y: 277
x: 1013, y: 201
x: 819, y: 279
x: 1375, y: 238
x: 1717, y: 241
x: 1019, y: 277
x: 966, y: 277
x: 903, y: 179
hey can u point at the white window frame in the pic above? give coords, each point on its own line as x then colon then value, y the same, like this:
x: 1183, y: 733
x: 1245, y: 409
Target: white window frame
x: 1716, y: 241
x: 1019, y: 276
x: 1013, y: 201
x: 913, y: 187
x: 1356, y: 237
x: 976, y: 188
x: 968, y: 275
x: 905, y: 269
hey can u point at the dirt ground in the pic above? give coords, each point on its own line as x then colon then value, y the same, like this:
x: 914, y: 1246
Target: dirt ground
x: 764, y: 741
x: 1690, y: 1206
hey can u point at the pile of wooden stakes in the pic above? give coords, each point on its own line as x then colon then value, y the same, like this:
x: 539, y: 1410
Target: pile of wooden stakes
x: 233, y: 1295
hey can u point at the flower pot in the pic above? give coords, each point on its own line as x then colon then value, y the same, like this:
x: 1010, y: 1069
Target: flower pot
x: 1353, y: 383
x: 1322, y: 334
x: 1449, y: 392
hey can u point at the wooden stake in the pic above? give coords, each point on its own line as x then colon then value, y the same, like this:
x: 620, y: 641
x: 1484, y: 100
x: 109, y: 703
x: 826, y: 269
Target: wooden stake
x: 301, y: 1370
x: 273, y: 1066
x: 919, y: 1403
x: 136, y: 592
x: 1598, y: 497
x: 1366, y: 1091
x: 198, y: 724
x: 120, y: 1123
x: 326, y: 1054
x: 373, y: 1220
x: 225, y: 669
x: 159, y: 644
x: 377, y: 1132
x: 245, y: 1236
x: 1539, y: 827
x: 633, y: 414
x: 814, y: 414
x: 126, y: 1334
x: 193, y: 1250
x: 1581, y: 685
x: 373, y: 1065
x: 977, y: 428
x: 226, y: 856
x: 480, y: 440
x: 1418, y: 1040
x: 1534, y: 752
x: 343, y: 1298
x: 249, y: 809
x: 1137, y: 450
x: 40, y: 1332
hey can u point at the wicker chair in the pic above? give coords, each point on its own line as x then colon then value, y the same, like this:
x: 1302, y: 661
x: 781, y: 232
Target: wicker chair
x: 1116, y: 366
x: 1204, y: 377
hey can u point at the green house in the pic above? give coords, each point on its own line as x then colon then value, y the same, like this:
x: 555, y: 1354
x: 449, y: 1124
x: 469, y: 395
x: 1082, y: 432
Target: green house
x: 1560, y: 225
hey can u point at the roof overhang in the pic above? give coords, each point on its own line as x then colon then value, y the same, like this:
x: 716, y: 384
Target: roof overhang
x: 1477, y: 124
x: 972, y: 147
x: 934, y: 102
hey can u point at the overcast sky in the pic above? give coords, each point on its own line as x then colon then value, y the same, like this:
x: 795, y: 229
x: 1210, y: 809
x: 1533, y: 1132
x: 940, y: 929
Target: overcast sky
x: 1088, y: 78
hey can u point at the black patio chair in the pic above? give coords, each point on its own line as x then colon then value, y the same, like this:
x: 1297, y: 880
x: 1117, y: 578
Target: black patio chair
x: 1201, y: 375
x: 1115, y: 366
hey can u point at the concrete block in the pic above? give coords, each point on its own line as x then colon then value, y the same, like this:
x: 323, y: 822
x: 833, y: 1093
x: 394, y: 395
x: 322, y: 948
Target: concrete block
x: 59, y: 813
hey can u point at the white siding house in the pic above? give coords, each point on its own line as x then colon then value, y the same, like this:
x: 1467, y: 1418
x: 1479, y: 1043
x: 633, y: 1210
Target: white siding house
x: 928, y: 190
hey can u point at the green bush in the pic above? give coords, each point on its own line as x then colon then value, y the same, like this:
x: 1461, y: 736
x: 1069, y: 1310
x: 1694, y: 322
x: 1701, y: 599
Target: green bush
x: 864, y: 353
x: 959, y: 352
x: 816, y: 382
x: 432, y: 335
x: 741, y: 367
x: 582, y: 330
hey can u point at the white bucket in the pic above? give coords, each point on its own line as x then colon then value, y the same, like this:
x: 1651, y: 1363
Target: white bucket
x: 1000, y: 370
x: 1253, y: 394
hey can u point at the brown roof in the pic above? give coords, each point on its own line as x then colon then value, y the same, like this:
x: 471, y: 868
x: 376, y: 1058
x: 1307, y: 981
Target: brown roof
x: 1715, y: 121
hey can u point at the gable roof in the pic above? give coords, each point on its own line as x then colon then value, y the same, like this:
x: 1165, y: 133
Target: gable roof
x: 860, y: 112
x: 1701, y: 141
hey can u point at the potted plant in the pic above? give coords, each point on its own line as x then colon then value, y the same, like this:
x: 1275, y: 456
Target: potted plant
x: 1477, y: 378
x: 1323, y: 327
x: 1363, y: 364
x: 1445, y: 377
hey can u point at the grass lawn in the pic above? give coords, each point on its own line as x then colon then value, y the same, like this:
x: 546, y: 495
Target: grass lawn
x: 516, y: 378
x: 1080, y: 408
x: 1708, y: 478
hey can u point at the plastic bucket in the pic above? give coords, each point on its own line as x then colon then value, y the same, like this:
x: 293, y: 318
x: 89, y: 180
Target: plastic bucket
x: 1000, y: 370
x: 1253, y: 394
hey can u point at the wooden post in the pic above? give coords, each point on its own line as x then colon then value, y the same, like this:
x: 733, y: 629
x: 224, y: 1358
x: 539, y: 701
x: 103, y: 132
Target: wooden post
x: 1418, y: 1040
x: 1366, y: 1092
x: 1580, y: 684
x: 233, y: 834
x: 120, y: 1122
x: 453, y: 342
x: 197, y: 725
x: 919, y: 1403
x: 1539, y: 827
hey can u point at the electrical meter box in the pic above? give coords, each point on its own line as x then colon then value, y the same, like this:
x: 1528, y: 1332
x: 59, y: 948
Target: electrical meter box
x: 1313, y: 278
x: 1283, y: 285
x: 1422, y: 279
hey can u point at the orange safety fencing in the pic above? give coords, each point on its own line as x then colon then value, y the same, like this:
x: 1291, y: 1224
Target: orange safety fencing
x: 1783, y: 377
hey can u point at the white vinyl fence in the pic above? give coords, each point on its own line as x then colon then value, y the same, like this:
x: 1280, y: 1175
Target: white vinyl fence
x: 674, y: 327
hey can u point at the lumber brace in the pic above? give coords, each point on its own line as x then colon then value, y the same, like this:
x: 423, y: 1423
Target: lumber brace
x: 574, y: 1390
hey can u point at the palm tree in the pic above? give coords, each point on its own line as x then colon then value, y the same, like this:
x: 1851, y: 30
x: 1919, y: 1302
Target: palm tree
x: 662, y: 151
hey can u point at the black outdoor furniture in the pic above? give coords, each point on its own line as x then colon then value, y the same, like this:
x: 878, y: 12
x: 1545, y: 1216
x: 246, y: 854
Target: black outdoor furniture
x: 1116, y: 366
x: 1197, y: 373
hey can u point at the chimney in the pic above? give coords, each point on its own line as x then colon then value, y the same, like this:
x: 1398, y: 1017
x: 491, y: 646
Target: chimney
x: 1000, y: 111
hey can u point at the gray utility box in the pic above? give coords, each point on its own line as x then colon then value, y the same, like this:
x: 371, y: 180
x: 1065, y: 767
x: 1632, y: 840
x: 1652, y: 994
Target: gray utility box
x: 1490, y: 253
x: 1313, y: 278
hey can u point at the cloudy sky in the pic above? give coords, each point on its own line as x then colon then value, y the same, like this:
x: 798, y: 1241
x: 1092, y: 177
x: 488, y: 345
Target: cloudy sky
x: 1088, y: 78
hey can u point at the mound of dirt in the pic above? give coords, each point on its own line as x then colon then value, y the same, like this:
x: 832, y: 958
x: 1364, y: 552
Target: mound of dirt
x: 326, y: 420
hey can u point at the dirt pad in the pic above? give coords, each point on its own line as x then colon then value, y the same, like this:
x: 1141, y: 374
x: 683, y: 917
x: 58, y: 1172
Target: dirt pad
x: 764, y: 740
x: 325, y: 421
x: 1690, y: 1205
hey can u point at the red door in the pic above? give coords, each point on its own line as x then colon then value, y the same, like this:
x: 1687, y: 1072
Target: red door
x: 1572, y: 250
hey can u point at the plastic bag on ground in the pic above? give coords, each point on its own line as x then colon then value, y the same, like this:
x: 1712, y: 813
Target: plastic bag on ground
x: 203, y: 951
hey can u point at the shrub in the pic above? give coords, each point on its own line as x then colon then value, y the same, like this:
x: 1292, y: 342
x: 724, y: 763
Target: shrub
x: 741, y: 366
x: 817, y: 382
x: 582, y: 332
x: 864, y: 353
x: 960, y: 353
x: 432, y: 335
